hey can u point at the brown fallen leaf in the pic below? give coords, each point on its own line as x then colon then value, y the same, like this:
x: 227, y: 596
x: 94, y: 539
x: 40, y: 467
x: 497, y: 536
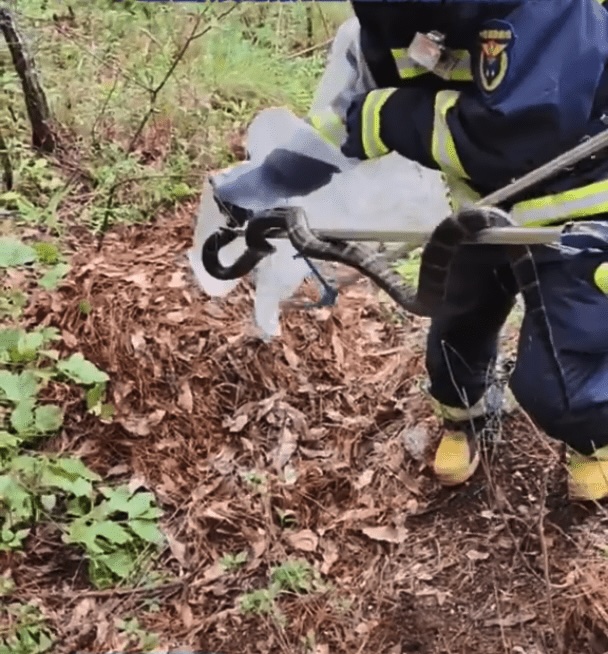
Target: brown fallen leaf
x: 177, y: 280
x: 291, y: 357
x: 185, y: 400
x: 237, y: 424
x: 330, y: 556
x: 176, y: 316
x: 474, y: 555
x: 386, y: 534
x: 305, y: 540
x: 138, y: 340
x: 214, y: 572
x: 84, y: 608
x: 118, y: 470
x: 511, y: 620
x: 288, y: 444
x: 352, y: 515
x: 139, y: 279
x: 338, y: 349
x: 365, y: 479
x: 178, y: 549
x: 186, y: 615
x: 142, y: 425
x: 213, y: 310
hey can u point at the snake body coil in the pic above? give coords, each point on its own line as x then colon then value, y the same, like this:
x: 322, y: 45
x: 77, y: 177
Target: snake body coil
x: 429, y: 298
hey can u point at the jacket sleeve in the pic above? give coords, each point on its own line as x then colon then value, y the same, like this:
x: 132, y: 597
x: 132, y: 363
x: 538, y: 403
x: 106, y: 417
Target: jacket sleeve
x: 345, y: 77
x: 534, y: 92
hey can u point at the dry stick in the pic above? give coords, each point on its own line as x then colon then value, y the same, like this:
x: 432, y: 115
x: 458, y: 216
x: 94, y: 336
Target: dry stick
x: 312, y: 48
x: 35, y: 100
x: 194, y: 35
x: 324, y: 21
x: 128, y: 180
x: 309, y: 26
x: 543, y: 545
x: 106, y: 102
x: 176, y: 60
x: 7, y: 169
x: 500, y: 615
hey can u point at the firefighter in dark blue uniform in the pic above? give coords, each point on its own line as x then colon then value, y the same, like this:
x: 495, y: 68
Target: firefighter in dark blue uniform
x: 486, y: 91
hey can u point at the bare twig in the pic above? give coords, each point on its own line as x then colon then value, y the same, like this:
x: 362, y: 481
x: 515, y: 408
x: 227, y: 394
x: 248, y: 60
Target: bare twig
x: 176, y: 60
x: 171, y: 586
x: 324, y: 21
x: 545, y: 555
x: 312, y: 48
x: 128, y: 180
x: 106, y: 102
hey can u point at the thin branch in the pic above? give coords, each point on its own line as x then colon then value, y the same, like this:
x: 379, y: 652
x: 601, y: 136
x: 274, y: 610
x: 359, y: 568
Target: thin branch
x: 317, y: 46
x: 176, y: 60
x: 129, y: 180
x: 546, y: 573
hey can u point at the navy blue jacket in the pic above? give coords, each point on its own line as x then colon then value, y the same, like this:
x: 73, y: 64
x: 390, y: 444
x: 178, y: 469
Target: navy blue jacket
x: 537, y: 83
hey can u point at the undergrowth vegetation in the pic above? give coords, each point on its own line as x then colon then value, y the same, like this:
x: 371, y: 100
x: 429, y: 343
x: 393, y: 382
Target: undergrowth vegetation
x: 145, y: 97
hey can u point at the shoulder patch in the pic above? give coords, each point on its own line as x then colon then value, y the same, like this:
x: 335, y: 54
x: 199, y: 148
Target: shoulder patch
x: 496, y: 39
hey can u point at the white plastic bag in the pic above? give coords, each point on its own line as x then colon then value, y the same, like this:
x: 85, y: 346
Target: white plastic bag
x: 389, y: 193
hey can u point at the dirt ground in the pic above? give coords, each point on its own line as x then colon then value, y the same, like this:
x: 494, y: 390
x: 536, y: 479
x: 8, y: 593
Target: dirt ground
x: 300, y: 449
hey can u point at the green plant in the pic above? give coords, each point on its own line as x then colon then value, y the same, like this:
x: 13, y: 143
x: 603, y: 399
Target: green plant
x: 293, y: 577
x: 23, y: 630
x: 116, y: 533
x: 232, y: 562
x: 116, y: 528
x: 409, y: 268
x: 139, y: 638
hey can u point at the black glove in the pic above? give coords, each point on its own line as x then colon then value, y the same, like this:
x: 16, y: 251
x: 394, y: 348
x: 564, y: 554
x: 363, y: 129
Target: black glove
x: 353, y: 145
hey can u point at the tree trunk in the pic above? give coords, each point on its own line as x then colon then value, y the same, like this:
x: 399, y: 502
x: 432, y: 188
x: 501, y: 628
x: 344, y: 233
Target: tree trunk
x: 35, y: 100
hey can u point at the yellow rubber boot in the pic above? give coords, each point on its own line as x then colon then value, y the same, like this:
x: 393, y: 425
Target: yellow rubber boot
x: 457, y: 458
x: 588, y: 476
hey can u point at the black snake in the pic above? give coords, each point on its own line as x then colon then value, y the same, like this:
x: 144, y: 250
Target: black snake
x: 429, y: 298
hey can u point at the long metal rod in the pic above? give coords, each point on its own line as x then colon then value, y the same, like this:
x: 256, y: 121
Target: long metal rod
x: 494, y: 235
x: 565, y: 160
x: 498, y: 235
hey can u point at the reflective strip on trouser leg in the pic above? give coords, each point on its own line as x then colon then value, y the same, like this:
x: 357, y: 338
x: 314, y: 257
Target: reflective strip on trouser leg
x: 582, y: 202
x: 373, y: 146
x: 458, y: 414
x: 330, y: 126
x: 443, y: 145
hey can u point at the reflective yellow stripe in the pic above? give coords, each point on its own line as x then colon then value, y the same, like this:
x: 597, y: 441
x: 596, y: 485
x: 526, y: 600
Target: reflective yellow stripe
x: 443, y: 146
x: 373, y: 145
x: 600, y: 277
x: 330, y: 126
x: 409, y: 69
x: 581, y: 202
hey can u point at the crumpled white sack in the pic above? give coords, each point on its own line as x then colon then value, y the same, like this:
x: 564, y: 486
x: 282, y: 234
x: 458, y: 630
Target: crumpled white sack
x: 389, y: 193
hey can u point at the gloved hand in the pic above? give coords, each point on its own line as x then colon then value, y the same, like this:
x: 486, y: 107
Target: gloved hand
x: 353, y: 145
x: 363, y: 125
